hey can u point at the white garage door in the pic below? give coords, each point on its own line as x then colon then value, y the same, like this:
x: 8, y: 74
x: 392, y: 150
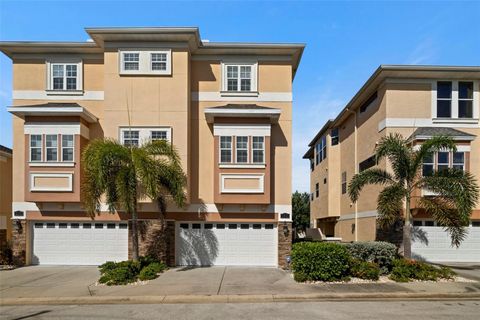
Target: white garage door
x: 79, y: 243
x: 432, y: 243
x: 226, y: 244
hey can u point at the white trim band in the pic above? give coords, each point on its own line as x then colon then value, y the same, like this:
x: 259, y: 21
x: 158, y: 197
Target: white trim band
x: 56, y: 95
x: 225, y: 129
x: 261, y: 97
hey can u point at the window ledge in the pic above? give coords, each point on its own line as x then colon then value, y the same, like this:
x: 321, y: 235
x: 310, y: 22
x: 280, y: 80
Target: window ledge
x: 455, y: 120
x: 51, y: 164
x: 64, y: 92
x: 242, y: 165
x: 239, y: 93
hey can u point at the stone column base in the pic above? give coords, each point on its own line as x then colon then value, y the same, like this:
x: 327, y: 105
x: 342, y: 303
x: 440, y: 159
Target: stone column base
x: 19, y: 242
x: 284, y: 244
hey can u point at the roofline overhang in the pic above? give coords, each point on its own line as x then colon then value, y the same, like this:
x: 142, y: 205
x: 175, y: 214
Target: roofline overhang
x: 272, y: 114
x: 456, y: 138
x: 53, y: 111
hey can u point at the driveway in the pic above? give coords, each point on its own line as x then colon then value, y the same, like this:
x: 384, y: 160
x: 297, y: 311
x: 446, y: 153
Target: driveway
x: 466, y: 270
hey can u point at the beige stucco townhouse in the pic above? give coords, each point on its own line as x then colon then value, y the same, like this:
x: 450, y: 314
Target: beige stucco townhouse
x: 417, y: 102
x: 226, y: 107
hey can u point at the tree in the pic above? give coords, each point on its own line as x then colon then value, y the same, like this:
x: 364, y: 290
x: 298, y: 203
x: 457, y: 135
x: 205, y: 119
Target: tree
x: 301, y: 211
x: 455, y: 191
x: 122, y: 174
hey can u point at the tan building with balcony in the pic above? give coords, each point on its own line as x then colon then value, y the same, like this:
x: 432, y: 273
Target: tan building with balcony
x: 226, y: 107
x: 417, y: 102
x: 6, y: 164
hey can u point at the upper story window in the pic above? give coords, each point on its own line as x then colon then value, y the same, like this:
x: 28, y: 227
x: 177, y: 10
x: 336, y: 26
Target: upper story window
x: 239, y: 77
x: 367, y: 163
x: 225, y: 149
x: 321, y: 150
x: 64, y: 75
x: 368, y: 102
x: 145, y: 61
x: 344, y: 182
x: 442, y: 161
x: 138, y: 135
x: 455, y: 100
x: 334, y: 136
x: 35, y: 147
x: 51, y: 147
x: 131, y: 61
x: 258, y: 149
x: 68, y: 145
x: 241, y: 149
x: 317, y: 189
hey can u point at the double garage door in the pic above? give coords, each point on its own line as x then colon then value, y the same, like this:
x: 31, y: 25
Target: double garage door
x: 239, y: 244
x: 79, y: 243
x: 433, y: 244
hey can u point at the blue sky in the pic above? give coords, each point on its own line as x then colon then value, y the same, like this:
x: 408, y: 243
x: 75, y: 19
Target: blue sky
x: 346, y: 41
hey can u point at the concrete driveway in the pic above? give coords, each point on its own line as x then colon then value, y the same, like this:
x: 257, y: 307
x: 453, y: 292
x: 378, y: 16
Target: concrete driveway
x: 466, y: 270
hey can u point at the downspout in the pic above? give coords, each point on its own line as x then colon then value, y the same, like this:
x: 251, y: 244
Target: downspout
x: 356, y: 170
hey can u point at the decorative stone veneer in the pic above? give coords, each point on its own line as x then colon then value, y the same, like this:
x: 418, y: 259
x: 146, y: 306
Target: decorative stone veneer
x: 154, y: 239
x: 19, y: 242
x: 284, y: 244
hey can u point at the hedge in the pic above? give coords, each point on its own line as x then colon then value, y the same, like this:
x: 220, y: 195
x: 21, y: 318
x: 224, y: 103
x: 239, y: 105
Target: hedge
x: 381, y: 253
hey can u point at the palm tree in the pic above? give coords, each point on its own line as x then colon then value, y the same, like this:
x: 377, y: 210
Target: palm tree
x: 455, y: 191
x: 125, y: 173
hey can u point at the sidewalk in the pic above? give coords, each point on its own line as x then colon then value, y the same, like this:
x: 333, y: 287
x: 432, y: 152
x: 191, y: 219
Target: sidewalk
x: 76, y: 285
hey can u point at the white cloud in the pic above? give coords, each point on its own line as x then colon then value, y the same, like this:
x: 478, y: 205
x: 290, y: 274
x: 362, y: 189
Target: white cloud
x: 424, y: 53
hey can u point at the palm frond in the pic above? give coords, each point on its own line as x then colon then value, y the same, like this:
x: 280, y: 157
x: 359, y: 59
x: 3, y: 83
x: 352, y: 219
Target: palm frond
x: 396, y: 149
x: 429, y: 147
x: 390, y: 204
x: 369, y: 176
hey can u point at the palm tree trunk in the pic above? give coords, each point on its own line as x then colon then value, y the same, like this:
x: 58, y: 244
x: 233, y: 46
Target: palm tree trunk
x: 135, y: 235
x: 407, y: 231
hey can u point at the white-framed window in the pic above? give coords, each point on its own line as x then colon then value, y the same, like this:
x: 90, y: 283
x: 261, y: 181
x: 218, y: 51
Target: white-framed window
x: 35, y: 147
x: 321, y: 150
x: 131, y: 138
x: 241, y: 149
x: 258, y: 149
x: 159, y: 135
x: 428, y: 165
x: 225, y: 149
x: 458, y: 159
x: 455, y: 99
x: 64, y: 75
x: 51, y: 147
x: 138, y: 135
x: 158, y: 61
x: 443, y: 160
x: 68, y: 146
x: 239, y: 77
x: 145, y: 61
x: 131, y: 61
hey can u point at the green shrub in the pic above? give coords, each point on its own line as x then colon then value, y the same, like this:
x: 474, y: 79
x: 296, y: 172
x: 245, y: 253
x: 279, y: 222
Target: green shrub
x: 364, y: 270
x: 151, y: 271
x: 320, y: 261
x: 381, y: 253
x: 6, y: 254
x: 405, y: 270
x: 118, y: 276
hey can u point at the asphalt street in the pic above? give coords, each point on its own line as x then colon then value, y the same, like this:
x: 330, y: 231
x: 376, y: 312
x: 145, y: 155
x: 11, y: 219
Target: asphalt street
x: 295, y: 310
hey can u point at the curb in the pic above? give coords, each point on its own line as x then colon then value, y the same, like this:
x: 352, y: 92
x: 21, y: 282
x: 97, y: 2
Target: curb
x: 173, y: 299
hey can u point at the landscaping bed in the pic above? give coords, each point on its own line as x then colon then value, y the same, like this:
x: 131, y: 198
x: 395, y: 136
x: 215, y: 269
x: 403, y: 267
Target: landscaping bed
x: 361, y: 262
x: 125, y: 272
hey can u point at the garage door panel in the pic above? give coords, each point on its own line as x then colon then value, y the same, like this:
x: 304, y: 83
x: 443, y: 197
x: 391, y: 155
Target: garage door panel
x: 232, y: 245
x: 435, y: 246
x: 78, y: 244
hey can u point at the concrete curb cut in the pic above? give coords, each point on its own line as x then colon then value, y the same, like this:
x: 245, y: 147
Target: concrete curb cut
x: 172, y: 299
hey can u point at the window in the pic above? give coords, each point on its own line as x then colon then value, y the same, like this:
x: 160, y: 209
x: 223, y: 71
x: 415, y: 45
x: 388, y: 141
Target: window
x: 159, y: 61
x: 123, y: 226
x: 258, y: 147
x: 131, y: 138
x: 87, y: 226
x: 158, y: 135
x: 476, y: 223
x: 428, y: 166
x: 367, y: 163
x: 38, y: 225
x: 50, y: 225
x: 184, y: 225
x: 368, y: 102
x: 465, y: 99
x: 242, y: 149
x: 312, y: 164
x: 311, y: 196
x: 74, y: 225
x: 244, y: 226
x: 417, y: 223
x: 64, y: 76
x: 110, y: 225
x: 225, y: 149
x: 131, y: 61
x: 62, y: 225
x: 98, y: 225
x: 208, y: 226
x: 317, y: 190
x: 459, y: 161
x: 334, y: 136
x: 232, y: 226
x: 220, y: 226
x: 35, y: 147
x: 196, y: 226
x: 321, y: 150
x: 239, y: 77
x: 443, y: 160
x: 269, y: 226
x: 67, y: 147
x: 344, y: 182
x: 429, y: 223
x: 444, y: 99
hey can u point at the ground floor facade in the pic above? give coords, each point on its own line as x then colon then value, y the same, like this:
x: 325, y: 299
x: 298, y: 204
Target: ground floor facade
x: 180, y: 239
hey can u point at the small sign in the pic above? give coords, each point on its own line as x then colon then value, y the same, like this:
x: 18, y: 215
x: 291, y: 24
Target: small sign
x: 285, y: 216
x: 18, y: 213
